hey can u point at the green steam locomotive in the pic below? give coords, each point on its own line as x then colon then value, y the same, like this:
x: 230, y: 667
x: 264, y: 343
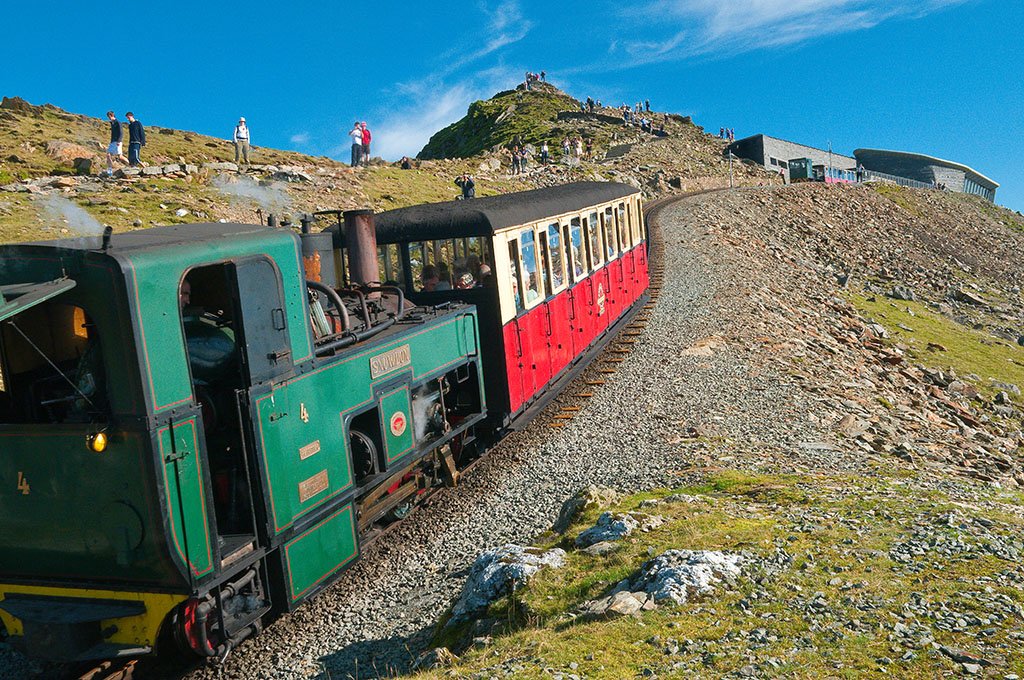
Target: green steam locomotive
x: 198, y: 432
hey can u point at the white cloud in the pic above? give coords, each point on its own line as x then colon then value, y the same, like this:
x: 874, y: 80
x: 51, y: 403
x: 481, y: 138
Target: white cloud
x: 436, y: 105
x: 711, y: 27
x: 301, y: 138
x: 435, y: 101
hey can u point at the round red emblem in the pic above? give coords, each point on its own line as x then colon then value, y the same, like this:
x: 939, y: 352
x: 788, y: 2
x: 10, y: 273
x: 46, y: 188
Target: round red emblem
x: 398, y: 423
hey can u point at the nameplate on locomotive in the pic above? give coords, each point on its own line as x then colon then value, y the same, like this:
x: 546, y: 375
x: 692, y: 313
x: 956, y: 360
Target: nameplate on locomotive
x: 389, y: 361
x: 318, y: 483
x: 309, y: 450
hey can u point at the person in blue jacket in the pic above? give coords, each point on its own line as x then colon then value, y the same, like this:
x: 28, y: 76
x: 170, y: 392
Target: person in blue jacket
x: 136, y: 139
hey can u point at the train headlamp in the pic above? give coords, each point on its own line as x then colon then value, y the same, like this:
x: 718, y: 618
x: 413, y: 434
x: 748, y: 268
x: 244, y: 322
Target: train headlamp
x: 97, y: 442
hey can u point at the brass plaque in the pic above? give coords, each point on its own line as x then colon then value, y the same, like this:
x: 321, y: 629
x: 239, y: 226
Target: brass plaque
x: 318, y: 483
x: 309, y: 450
x: 390, y: 361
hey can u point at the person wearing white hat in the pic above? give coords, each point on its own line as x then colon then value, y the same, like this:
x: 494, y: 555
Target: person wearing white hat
x: 241, y: 138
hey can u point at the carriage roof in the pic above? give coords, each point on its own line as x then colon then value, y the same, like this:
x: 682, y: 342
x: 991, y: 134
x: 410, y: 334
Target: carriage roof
x: 490, y: 214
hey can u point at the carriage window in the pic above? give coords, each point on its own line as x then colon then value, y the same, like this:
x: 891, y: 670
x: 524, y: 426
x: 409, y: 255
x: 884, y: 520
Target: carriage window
x: 416, y: 263
x: 389, y: 269
x: 54, y: 367
x: 594, y: 242
x: 515, y: 278
x: 556, y: 263
x: 577, y: 251
x: 609, y: 232
x: 624, y: 236
x: 533, y: 273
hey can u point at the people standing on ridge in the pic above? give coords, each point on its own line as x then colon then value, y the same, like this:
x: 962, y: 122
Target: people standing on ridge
x: 515, y: 160
x: 465, y: 182
x: 647, y: 105
x: 544, y: 154
x: 366, y: 142
x: 136, y: 140
x: 241, y: 139
x: 356, y: 135
x: 114, y: 150
x: 406, y: 163
x: 543, y: 76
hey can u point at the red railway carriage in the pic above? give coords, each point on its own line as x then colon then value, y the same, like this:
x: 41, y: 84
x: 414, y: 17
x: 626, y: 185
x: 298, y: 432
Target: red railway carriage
x: 553, y: 272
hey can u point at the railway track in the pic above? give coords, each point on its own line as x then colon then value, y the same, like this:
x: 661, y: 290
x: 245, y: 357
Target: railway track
x: 567, y: 405
x: 624, y: 342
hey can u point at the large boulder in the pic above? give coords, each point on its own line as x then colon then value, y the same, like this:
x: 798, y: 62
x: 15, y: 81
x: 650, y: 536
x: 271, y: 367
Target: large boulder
x: 291, y: 174
x: 66, y: 152
x: 678, y: 575
x: 590, y: 498
x: 497, y: 572
x: 616, y: 526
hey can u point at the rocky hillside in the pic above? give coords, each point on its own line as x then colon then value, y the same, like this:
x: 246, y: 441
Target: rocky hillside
x: 50, y: 162
x: 843, y: 401
x: 520, y: 116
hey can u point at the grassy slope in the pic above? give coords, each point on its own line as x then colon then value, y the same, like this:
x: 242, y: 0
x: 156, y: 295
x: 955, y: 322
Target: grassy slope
x: 497, y: 121
x: 154, y: 201
x: 839, y: 531
x: 966, y: 350
x: 25, y: 134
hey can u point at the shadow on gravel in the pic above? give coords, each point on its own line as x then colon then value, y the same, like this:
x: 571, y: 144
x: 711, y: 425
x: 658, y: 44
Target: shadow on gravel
x: 386, y: 658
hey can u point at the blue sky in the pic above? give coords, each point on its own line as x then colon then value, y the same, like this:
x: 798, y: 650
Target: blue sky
x: 941, y: 77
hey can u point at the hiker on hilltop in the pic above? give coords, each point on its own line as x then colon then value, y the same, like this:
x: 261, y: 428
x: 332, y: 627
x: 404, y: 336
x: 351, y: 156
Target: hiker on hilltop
x: 366, y: 142
x: 468, y: 186
x: 647, y: 105
x: 114, y: 150
x: 241, y: 139
x: 356, y: 134
x: 544, y: 154
x: 136, y: 140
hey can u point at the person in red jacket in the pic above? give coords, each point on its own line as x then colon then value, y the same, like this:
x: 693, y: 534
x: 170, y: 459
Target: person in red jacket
x: 366, y: 143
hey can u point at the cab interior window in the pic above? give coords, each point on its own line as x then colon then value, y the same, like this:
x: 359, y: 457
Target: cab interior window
x: 53, y: 367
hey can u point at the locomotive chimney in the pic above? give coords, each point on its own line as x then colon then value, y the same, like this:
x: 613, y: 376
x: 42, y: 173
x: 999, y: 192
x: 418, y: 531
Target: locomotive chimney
x: 361, y: 244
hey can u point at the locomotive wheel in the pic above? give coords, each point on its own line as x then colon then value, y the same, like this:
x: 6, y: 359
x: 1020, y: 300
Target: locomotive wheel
x: 364, y: 453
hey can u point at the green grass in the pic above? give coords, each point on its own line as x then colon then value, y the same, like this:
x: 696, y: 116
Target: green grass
x: 25, y: 135
x: 839, y: 536
x: 967, y: 350
x: 531, y: 116
x: 901, y: 196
